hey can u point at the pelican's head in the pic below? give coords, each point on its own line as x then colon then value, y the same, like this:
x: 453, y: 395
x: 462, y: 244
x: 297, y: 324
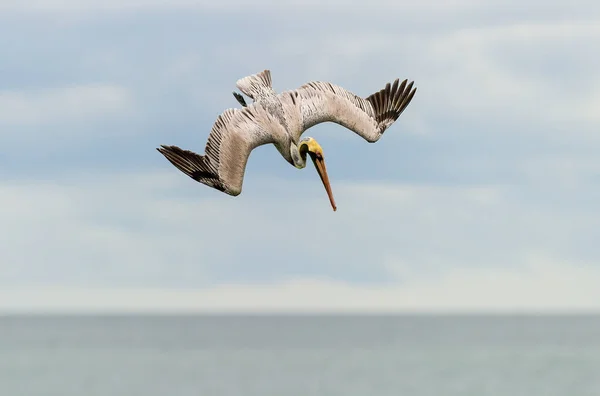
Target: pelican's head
x: 311, y: 147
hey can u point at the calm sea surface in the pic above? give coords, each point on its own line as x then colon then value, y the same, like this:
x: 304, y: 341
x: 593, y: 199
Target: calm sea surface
x: 300, y: 355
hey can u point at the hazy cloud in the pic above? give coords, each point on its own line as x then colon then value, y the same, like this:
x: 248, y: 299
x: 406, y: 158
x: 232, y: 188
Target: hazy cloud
x: 47, y: 106
x: 543, y: 286
x: 233, y: 5
x: 162, y: 229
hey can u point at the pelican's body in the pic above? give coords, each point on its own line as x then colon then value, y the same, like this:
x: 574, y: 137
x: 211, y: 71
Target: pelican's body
x: 281, y: 119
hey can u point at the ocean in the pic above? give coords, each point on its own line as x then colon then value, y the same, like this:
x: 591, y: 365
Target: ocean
x: 300, y: 355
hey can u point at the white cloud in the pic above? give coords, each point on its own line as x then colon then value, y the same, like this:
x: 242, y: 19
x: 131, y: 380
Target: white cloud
x: 502, y: 71
x: 543, y: 285
x: 92, y: 230
x: 529, y: 31
x: 562, y: 171
x: 142, y: 232
x: 477, y: 71
x: 43, y: 107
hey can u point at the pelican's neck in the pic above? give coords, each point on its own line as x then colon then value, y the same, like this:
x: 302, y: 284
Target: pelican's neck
x: 298, y: 154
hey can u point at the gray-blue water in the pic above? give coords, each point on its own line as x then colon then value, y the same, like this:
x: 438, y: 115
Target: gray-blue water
x: 300, y: 355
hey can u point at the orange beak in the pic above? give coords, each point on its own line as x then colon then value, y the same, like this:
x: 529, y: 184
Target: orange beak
x: 319, y: 162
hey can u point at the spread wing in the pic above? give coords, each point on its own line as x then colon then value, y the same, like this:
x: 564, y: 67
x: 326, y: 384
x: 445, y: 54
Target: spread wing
x: 369, y: 117
x: 235, y: 133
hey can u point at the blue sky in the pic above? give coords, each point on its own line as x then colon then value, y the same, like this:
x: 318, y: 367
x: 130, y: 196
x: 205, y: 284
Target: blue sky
x: 484, y: 195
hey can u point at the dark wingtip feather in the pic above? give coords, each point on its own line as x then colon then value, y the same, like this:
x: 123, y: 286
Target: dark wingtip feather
x: 193, y: 165
x: 391, y: 101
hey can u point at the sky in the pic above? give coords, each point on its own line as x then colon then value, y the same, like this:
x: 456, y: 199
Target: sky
x: 483, y: 196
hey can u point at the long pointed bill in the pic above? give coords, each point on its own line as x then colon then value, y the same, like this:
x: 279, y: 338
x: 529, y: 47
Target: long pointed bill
x: 319, y: 162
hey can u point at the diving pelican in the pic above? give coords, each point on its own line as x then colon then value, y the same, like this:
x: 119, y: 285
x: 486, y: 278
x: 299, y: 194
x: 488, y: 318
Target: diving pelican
x: 281, y: 119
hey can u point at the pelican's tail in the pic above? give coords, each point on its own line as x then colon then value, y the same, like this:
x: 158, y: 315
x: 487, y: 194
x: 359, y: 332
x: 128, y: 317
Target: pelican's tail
x: 198, y: 167
x: 256, y: 84
x: 240, y: 99
x: 390, y: 102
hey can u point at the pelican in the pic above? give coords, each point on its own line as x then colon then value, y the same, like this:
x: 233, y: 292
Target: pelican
x: 281, y: 119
